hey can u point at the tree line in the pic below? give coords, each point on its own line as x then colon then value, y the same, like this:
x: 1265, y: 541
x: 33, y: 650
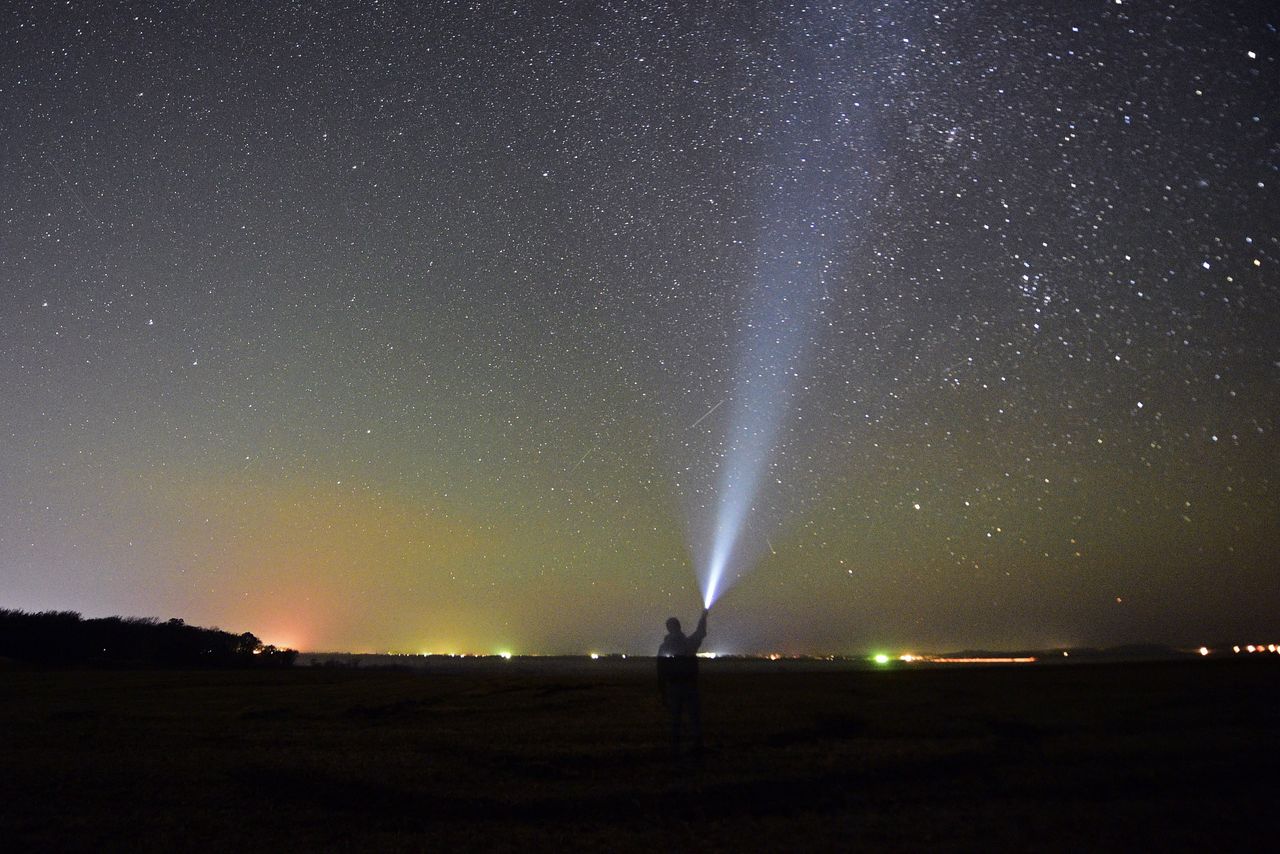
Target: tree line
x: 66, y: 638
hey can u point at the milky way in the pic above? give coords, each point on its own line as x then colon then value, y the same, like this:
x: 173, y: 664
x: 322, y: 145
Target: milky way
x: 390, y: 327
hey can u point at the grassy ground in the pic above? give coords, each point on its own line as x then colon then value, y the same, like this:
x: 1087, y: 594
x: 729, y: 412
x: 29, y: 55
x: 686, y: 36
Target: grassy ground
x: 1111, y: 757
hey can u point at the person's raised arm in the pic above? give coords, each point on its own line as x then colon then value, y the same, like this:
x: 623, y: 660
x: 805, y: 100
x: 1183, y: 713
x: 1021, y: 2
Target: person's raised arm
x: 701, y: 631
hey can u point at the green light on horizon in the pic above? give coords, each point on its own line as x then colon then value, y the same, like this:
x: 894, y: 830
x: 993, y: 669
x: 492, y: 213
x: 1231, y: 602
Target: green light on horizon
x: 880, y: 658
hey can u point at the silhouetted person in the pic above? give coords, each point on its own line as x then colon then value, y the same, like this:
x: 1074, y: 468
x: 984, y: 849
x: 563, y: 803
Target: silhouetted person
x: 678, y: 679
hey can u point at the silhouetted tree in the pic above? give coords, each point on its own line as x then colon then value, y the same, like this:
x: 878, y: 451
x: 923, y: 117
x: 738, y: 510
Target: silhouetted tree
x: 64, y: 637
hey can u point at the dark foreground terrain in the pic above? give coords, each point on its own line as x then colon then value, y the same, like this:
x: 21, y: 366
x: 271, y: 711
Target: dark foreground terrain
x: 542, y: 756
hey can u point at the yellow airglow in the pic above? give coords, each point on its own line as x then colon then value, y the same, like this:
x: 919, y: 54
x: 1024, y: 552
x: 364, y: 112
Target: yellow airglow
x: 309, y: 563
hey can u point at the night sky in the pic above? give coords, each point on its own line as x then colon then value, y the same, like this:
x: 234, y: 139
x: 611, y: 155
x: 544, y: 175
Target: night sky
x: 373, y: 327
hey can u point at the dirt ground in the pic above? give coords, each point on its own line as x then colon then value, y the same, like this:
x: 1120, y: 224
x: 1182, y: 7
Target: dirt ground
x: 1164, y: 756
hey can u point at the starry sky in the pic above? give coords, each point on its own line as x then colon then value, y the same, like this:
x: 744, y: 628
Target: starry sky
x: 376, y: 326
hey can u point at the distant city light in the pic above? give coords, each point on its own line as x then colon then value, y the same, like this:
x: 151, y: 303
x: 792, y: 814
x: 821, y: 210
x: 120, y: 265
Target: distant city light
x: 1204, y: 650
x: 1257, y: 647
x: 911, y: 658
x: 505, y: 654
x: 595, y: 656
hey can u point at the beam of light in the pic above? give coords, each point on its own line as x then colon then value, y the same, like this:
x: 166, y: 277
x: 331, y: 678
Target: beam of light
x: 776, y: 342
x: 811, y: 190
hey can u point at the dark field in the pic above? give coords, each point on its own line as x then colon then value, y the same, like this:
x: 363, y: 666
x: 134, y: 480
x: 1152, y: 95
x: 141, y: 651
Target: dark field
x: 531, y: 755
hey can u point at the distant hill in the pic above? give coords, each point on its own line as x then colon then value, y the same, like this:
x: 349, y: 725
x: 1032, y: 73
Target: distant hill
x: 65, y: 638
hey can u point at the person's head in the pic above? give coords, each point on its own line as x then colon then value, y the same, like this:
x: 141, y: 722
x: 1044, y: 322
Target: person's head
x: 673, y: 626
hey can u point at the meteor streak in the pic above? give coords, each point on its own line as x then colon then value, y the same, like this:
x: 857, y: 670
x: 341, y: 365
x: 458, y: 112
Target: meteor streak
x: 707, y: 413
x: 583, y: 460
